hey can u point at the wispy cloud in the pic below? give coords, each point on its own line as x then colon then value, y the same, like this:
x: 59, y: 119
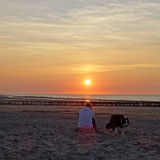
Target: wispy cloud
x: 77, y: 23
x: 74, y: 26
x: 89, y: 68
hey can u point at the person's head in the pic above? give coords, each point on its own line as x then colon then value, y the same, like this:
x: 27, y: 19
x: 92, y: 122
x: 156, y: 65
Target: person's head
x: 88, y: 104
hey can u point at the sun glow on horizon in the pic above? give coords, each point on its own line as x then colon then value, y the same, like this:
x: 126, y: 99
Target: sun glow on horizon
x: 88, y: 82
x: 80, y: 47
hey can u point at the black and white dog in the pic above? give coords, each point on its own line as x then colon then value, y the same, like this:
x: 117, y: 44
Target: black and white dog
x: 118, y: 121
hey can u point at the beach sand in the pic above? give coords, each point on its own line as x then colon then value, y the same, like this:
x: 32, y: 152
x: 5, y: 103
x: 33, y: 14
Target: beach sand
x: 49, y: 132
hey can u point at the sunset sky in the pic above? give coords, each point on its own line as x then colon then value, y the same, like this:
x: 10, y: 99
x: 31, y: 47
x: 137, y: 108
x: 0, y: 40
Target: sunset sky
x: 53, y: 46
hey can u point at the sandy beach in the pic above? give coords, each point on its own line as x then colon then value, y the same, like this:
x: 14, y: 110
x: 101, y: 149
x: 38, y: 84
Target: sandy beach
x: 49, y: 132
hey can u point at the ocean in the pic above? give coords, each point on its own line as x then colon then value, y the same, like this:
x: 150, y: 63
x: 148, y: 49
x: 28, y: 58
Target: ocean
x: 100, y: 96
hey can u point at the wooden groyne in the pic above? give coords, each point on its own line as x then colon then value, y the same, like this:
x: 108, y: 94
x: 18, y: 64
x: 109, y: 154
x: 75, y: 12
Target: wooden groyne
x: 75, y: 102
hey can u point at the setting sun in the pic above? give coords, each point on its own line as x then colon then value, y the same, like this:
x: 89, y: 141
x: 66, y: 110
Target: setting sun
x: 87, y: 82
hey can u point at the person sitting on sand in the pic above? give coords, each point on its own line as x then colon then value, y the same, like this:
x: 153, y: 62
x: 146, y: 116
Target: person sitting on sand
x: 87, y: 118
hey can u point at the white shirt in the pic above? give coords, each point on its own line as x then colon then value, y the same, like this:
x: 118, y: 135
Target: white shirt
x: 85, y: 118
